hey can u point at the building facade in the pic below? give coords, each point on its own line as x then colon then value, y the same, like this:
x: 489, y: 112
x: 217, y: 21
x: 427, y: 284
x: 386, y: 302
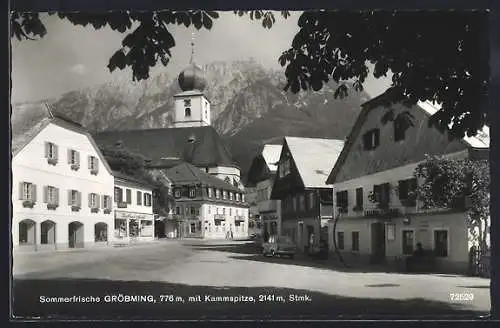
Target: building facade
x: 306, y: 201
x: 261, y: 178
x: 206, y: 207
x: 133, y: 201
x: 379, y: 217
x: 62, y: 189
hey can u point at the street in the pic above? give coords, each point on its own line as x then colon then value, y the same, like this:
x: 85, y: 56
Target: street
x: 194, y: 279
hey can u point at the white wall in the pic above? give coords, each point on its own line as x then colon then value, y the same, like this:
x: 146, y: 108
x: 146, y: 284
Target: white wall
x: 134, y: 207
x: 208, y: 212
x: 30, y: 165
x: 222, y: 172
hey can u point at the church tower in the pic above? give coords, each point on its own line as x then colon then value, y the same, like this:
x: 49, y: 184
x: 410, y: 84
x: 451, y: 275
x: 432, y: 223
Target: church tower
x: 192, y: 108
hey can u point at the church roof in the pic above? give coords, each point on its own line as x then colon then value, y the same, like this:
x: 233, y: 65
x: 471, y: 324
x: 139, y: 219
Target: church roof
x: 200, y: 146
x: 187, y: 174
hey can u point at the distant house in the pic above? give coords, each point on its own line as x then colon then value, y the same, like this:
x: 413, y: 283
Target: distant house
x: 62, y: 189
x: 306, y: 200
x: 380, y: 219
x: 133, y: 200
x: 205, y: 206
x: 261, y: 176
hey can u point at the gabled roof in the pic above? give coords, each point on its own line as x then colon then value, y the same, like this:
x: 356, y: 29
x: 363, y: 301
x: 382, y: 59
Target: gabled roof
x: 271, y: 154
x: 200, y: 146
x: 186, y: 173
x: 314, y: 158
x: 21, y: 141
x: 428, y: 108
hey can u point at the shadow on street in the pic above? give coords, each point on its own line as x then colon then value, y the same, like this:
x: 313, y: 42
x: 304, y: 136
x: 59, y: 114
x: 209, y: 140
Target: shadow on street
x: 26, y: 303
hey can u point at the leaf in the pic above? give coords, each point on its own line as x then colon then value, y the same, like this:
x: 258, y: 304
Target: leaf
x: 118, y: 60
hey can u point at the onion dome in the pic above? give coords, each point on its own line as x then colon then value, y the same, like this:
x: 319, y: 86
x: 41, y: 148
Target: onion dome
x: 192, y: 78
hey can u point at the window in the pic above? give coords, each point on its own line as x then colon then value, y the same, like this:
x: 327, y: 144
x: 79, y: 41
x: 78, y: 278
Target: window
x: 128, y: 194
x: 407, y: 188
x: 177, y: 210
x: 230, y: 196
x: 441, y: 243
x: 51, y: 195
x: 311, y: 199
x: 359, y: 198
x: 51, y: 151
x: 242, y: 197
x: 230, y: 211
x: 187, y: 112
x: 147, y: 199
x: 382, y: 194
x: 340, y: 240
x: 106, y: 202
x: 237, y: 197
x: 408, y: 239
x: 192, y: 192
x: 355, y: 241
x: 294, y: 203
x: 302, y: 202
x: 224, y: 194
x: 194, y: 211
x: 177, y: 193
x: 27, y: 191
x: 285, y: 167
x: 93, y: 165
x: 217, y: 193
x: 209, y: 192
x: 187, y: 102
x: 223, y: 211
x: 118, y: 195
x: 193, y: 228
x: 139, y: 198
x: 73, y: 158
x: 371, y: 139
x: 93, y: 200
x: 342, y: 201
x: 73, y: 198
x: 399, y: 130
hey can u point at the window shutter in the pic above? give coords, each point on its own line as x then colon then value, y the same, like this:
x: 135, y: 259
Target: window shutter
x: 139, y: 198
x: 98, y: 201
x: 56, y: 196
x: 69, y: 156
x: 96, y: 164
x: 21, y: 190
x: 109, y: 203
x: 46, y: 149
x: 376, y: 192
x: 70, y: 200
x: 145, y: 199
x: 56, y: 151
x: 90, y: 200
x: 103, y: 202
x: 45, y: 194
x: 79, y: 198
x: 77, y: 157
x: 377, y: 137
x: 33, y: 192
x: 90, y: 162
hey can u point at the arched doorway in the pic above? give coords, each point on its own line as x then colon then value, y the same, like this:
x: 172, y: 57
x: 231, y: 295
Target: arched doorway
x: 75, y: 235
x: 27, y: 232
x: 100, y: 232
x: 48, y: 232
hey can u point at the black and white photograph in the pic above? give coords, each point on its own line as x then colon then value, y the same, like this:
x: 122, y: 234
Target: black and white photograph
x: 250, y: 165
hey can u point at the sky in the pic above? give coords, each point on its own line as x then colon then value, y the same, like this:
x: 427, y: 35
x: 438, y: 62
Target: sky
x: 70, y: 57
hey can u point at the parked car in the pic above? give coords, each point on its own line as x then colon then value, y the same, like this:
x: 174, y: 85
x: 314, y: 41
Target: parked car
x: 278, y: 246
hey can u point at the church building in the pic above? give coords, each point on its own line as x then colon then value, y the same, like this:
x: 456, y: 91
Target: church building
x: 191, y: 140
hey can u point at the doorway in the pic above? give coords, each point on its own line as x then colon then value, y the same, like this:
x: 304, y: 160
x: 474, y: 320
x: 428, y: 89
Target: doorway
x: 378, y: 242
x: 75, y: 235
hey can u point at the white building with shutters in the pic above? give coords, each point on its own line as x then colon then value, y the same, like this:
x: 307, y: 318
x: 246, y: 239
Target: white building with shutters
x: 133, y: 203
x: 62, y: 189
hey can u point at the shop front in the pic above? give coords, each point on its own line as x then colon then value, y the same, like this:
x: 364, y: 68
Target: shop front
x: 130, y: 226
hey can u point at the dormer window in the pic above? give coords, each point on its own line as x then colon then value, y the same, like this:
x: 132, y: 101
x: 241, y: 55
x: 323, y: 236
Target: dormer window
x: 237, y: 197
x: 209, y: 192
x: 371, y: 139
x: 230, y: 196
x: 187, y: 112
x: 177, y: 193
x: 224, y: 194
x: 192, y: 192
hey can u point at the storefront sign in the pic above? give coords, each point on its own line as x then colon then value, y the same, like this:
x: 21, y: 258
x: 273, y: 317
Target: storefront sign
x: 133, y: 216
